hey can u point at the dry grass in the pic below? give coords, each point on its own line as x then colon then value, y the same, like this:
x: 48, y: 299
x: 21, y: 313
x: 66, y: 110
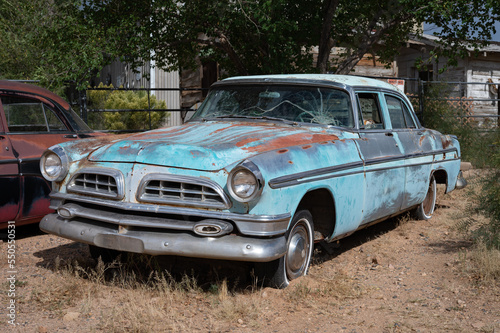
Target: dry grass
x: 337, y: 286
x: 483, y: 264
x: 405, y: 225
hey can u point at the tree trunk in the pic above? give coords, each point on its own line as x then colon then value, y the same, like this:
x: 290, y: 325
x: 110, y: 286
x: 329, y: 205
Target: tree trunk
x: 326, y: 42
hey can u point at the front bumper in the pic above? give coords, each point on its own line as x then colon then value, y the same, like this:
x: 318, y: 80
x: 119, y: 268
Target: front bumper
x: 461, y: 182
x: 165, y: 242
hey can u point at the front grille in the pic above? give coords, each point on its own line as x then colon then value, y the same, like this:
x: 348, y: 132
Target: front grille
x: 182, y: 190
x: 105, y: 183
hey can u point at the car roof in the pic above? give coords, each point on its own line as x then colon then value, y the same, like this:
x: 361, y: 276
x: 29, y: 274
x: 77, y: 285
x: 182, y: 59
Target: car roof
x: 335, y: 79
x: 17, y: 86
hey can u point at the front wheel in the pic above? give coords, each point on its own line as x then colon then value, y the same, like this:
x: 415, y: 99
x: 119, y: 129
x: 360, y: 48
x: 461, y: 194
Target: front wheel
x: 426, y: 209
x: 295, y: 263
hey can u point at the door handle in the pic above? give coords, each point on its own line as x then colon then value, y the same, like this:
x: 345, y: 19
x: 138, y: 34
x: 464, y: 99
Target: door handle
x: 71, y: 136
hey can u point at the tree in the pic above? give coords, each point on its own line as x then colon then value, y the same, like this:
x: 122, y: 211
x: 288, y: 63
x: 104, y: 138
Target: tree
x: 380, y: 27
x: 57, y: 40
x: 49, y: 40
x: 244, y: 37
x: 277, y: 36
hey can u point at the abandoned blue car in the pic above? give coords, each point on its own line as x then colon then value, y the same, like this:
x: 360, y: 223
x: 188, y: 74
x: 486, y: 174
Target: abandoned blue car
x: 266, y: 167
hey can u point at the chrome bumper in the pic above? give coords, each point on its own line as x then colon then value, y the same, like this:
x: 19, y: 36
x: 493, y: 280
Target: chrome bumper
x: 461, y: 182
x: 228, y: 247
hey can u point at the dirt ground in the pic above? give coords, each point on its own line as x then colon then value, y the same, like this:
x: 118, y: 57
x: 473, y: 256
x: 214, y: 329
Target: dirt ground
x: 398, y: 276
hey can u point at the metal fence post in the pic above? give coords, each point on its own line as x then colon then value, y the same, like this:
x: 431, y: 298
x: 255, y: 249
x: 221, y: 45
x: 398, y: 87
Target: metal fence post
x: 421, y: 99
x: 149, y: 108
x: 83, y: 105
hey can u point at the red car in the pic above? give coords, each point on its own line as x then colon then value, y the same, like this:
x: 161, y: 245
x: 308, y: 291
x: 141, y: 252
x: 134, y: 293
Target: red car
x: 31, y: 120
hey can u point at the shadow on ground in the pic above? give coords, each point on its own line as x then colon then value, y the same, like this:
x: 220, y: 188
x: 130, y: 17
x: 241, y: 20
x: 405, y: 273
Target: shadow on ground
x: 21, y: 232
x: 207, y: 273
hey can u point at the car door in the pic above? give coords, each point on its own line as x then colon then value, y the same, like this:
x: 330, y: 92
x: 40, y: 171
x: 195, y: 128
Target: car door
x: 382, y: 157
x: 413, y: 142
x: 32, y: 125
x: 9, y: 176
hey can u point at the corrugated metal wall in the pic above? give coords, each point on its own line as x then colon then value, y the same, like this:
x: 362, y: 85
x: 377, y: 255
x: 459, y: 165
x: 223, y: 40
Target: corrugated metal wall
x: 172, y: 98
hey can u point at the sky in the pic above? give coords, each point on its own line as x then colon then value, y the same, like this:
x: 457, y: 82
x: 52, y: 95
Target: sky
x: 496, y: 37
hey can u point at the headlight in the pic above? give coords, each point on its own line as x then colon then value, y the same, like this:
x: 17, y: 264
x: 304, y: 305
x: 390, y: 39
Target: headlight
x: 245, y: 182
x: 54, y: 164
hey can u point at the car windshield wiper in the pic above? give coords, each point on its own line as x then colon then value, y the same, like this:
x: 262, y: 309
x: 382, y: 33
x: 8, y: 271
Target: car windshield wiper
x: 234, y: 116
x: 259, y: 117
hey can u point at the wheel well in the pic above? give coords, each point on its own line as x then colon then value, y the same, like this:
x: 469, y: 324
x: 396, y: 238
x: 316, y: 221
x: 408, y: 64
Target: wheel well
x: 321, y: 205
x: 441, y: 177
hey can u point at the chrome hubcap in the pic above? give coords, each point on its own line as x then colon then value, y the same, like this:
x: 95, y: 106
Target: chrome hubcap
x: 298, y: 248
x: 428, y: 204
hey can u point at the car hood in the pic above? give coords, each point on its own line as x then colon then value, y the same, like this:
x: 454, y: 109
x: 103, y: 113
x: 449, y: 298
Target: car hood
x: 209, y: 145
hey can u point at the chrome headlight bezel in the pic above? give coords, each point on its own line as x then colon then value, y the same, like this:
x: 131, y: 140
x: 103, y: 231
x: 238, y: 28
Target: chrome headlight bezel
x: 59, y: 155
x: 250, y: 170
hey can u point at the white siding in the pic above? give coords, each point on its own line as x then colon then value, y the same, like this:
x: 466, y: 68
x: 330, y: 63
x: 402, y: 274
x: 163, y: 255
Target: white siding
x: 172, y: 98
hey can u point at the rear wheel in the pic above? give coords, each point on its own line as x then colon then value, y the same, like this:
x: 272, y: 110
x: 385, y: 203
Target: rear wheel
x: 295, y: 263
x: 426, y: 209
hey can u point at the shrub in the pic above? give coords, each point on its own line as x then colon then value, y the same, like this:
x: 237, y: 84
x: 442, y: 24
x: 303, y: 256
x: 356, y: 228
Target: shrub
x: 480, y: 147
x: 125, y: 100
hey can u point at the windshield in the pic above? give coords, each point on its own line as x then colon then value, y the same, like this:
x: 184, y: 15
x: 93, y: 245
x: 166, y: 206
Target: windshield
x: 76, y: 122
x: 326, y: 106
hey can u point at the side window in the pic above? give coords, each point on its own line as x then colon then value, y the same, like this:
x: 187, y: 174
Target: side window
x: 410, y: 123
x: 399, y: 113
x: 30, y: 115
x: 369, y: 106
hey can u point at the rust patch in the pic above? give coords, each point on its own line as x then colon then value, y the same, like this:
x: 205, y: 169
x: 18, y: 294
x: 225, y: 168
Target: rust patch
x: 306, y: 147
x: 421, y: 140
x: 197, y: 153
x: 32, y: 89
x: 282, y: 151
x: 446, y: 143
x: 297, y: 139
x: 290, y: 162
x: 243, y: 124
x: 32, y: 146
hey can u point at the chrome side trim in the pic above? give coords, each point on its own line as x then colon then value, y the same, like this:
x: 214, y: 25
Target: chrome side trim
x: 228, y: 247
x: 350, y: 169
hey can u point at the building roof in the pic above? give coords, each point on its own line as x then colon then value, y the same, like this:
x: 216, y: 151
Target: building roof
x: 432, y: 40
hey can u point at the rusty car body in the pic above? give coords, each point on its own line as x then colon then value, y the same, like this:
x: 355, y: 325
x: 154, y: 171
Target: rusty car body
x: 267, y: 166
x: 31, y: 120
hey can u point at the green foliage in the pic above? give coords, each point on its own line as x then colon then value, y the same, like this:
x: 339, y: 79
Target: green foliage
x: 57, y: 41
x: 451, y: 117
x: 482, y: 149
x: 488, y: 199
x: 125, y: 100
x: 277, y: 36
x: 50, y: 41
